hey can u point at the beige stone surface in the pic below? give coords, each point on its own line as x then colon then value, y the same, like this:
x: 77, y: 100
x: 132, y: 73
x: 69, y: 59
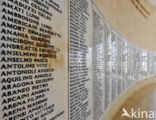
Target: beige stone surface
x: 141, y: 100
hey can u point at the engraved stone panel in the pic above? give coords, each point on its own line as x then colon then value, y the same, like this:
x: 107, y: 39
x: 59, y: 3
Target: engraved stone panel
x: 132, y: 65
x: 33, y: 55
x: 143, y: 64
x: 108, y: 65
x: 80, y: 34
x: 124, y: 63
x: 154, y: 63
x: 119, y: 67
x: 98, y: 64
x: 150, y: 64
x: 114, y: 66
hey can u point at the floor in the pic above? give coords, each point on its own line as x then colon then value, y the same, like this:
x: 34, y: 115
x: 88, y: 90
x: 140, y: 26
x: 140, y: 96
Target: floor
x: 140, y: 106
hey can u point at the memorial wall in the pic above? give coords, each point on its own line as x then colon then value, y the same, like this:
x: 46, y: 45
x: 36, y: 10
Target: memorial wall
x: 62, y: 60
x: 34, y: 60
x: 98, y: 65
x: 80, y: 59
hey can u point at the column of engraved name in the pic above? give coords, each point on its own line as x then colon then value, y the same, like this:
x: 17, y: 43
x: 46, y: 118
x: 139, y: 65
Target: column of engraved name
x: 80, y: 60
x: 27, y: 54
x: 98, y: 63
